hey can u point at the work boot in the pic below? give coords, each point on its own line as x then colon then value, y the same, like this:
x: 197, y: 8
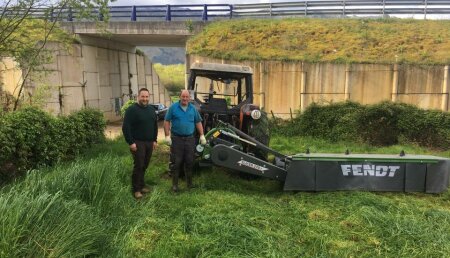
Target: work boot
x: 138, y: 195
x: 145, y: 190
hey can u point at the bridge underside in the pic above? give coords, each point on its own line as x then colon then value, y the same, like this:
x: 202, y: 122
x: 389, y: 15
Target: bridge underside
x: 164, y: 34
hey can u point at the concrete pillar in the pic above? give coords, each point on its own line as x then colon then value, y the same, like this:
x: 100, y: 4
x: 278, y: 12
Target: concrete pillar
x: 395, y: 84
x: 445, y: 92
x: 303, y: 89
x: 347, y: 82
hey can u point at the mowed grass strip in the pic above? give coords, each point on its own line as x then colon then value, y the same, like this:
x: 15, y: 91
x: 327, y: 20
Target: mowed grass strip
x: 226, y: 216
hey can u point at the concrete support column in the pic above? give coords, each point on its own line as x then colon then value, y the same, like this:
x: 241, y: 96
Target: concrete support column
x: 303, y: 89
x: 395, y: 84
x: 445, y: 92
x: 347, y: 82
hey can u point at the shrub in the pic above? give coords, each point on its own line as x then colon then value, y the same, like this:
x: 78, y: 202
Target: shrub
x: 378, y: 124
x: 336, y: 121
x: 381, y: 124
x: 31, y: 138
x: 430, y: 128
x: 125, y: 106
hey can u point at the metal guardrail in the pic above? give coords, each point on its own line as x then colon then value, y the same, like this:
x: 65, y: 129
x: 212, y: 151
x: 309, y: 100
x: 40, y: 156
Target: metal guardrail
x: 314, y: 8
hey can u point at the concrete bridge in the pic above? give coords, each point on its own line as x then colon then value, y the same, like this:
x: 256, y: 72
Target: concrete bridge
x: 149, y: 33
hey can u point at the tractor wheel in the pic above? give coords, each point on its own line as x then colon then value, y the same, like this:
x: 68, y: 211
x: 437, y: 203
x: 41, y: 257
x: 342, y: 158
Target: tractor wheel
x: 259, y: 129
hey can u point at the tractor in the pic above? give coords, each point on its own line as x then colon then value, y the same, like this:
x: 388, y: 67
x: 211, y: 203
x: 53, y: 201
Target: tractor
x: 224, y: 92
x: 237, y: 138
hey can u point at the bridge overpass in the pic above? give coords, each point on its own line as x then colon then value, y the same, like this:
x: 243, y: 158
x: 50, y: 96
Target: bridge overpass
x: 149, y: 33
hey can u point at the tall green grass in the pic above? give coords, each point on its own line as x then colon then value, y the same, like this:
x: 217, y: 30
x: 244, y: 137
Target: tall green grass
x: 85, y: 208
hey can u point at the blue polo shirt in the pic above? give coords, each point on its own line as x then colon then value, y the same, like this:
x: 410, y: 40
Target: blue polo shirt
x: 182, y: 122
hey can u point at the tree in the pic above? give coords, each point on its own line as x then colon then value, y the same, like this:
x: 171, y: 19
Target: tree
x: 23, y: 38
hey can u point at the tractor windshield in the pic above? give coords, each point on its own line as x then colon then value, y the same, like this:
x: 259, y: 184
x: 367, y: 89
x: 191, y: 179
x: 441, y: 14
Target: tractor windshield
x: 234, y: 88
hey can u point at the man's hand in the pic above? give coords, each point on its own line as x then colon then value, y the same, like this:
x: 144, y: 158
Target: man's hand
x: 168, y: 140
x: 155, y: 144
x: 202, y: 139
x: 133, y: 147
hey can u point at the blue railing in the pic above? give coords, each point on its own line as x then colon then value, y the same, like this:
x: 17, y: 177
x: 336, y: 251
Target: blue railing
x: 439, y: 9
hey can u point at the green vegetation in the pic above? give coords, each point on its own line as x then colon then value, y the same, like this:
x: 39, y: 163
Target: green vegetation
x: 381, y: 124
x: 86, y: 208
x: 327, y: 40
x: 24, y: 38
x: 172, y: 77
x: 30, y: 138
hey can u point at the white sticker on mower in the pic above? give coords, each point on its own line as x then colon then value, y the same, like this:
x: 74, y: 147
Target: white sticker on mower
x: 251, y: 165
x: 369, y: 170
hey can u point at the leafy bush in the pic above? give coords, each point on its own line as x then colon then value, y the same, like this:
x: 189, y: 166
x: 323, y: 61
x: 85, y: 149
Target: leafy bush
x: 381, y: 124
x: 378, y: 124
x: 430, y: 128
x: 126, y: 106
x: 333, y: 122
x: 31, y: 138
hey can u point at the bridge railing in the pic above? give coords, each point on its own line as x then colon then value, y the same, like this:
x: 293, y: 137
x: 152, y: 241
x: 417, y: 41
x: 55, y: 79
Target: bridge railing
x: 315, y: 8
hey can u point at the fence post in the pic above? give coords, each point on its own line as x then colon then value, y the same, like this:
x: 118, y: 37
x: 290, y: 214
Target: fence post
x: 306, y: 8
x: 343, y: 8
x: 133, y: 13
x: 168, y: 14
x: 69, y: 16
x: 290, y: 111
x: 425, y: 10
x: 231, y: 11
x: 205, y: 13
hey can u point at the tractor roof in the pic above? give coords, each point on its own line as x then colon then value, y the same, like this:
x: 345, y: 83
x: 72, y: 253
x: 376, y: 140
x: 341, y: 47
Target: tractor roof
x: 222, y: 67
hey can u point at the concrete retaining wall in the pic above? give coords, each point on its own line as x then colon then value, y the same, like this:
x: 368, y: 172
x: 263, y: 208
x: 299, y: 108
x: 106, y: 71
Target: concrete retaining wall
x: 102, y: 76
x: 284, y: 86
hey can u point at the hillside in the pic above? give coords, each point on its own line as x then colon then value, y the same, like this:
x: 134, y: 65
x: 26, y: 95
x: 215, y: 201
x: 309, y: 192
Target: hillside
x: 327, y: 40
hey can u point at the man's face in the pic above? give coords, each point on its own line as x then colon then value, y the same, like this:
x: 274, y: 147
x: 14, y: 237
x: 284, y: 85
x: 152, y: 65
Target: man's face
x: 143, y: 98
x: 184, y: 98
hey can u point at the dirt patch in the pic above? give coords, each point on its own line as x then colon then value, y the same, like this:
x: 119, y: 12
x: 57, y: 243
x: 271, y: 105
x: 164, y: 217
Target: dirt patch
x: 114, y: 130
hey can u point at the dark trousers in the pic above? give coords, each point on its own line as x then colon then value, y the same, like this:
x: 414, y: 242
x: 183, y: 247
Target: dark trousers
x: 141, y: 160
x: 182, y: 155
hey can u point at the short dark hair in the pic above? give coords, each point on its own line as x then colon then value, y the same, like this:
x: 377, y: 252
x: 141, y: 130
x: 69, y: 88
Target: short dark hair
x: 143, y: 89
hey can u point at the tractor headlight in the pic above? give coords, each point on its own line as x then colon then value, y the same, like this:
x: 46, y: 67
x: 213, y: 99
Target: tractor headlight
x: 256, y: 114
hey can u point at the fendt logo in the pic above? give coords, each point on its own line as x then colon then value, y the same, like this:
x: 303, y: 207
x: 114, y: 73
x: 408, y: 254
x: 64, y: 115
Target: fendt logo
x: 369, y: 170
x: 251, y: 165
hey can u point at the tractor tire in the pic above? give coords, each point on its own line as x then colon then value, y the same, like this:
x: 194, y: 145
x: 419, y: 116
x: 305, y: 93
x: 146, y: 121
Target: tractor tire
x: 259, y: 129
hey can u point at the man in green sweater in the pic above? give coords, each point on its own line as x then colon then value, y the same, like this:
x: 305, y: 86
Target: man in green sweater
x: 140, y: 130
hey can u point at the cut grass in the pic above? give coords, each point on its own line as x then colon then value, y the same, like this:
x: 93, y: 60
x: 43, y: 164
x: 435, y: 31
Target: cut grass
x: 226, y: 216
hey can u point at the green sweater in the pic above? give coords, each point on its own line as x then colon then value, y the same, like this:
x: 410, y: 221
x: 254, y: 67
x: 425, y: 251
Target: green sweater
x: 140, y: 124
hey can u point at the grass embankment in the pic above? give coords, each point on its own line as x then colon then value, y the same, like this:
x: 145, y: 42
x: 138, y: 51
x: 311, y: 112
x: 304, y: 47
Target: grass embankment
x: 86, y: 207
x: 327, y: 40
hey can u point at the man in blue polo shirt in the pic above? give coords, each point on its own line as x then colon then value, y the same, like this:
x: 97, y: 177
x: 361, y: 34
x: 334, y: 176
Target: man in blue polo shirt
x: 180, y: 123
